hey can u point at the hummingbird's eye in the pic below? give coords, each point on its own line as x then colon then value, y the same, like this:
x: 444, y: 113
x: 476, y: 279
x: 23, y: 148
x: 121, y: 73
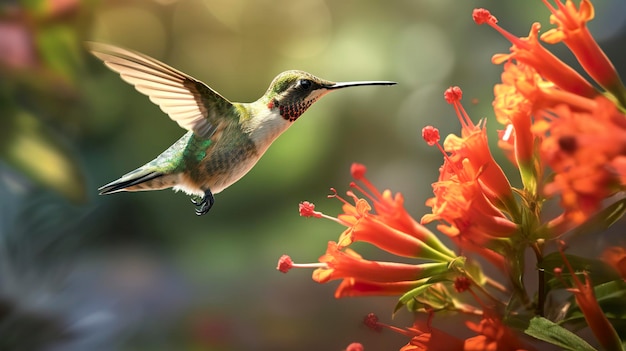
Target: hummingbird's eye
x: 305, y: 84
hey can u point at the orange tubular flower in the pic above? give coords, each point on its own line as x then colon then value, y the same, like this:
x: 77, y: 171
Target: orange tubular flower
x: 471, y: 184
x: 349, y: 264
x: 369, y: 229
x: 522, y: 95
x: 390, y: 210
x: 472, y: 146
x: 493, y: 336
x: 391, y: 228
x: 615, y: 256
x: 530, y: 52
x: 432, y: 340
x: 586, y: 300
x: 355, y: 346
x: 461, y: 203
x: 572, y: 31
x: 358, y: 281
x: 513, y: 108
x: 351, y: 287
x: 581, y: 146
x: 466, y: 214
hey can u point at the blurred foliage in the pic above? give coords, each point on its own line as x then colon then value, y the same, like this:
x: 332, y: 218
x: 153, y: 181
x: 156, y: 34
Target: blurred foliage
x: 137, y: 271
x: 40, y: 62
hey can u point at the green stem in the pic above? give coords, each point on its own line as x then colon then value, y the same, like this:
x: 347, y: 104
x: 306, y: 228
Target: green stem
x: 619, y: 92
x: 541, y: 290
x: 516, y: 275
x: 495, y: 284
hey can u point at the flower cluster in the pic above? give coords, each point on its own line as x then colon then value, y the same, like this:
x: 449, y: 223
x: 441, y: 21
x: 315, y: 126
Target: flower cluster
x: 567, y: 138
x: 472, y: 195
x: 580, y: 131
x: 387, y: 226
x: 380, y: 219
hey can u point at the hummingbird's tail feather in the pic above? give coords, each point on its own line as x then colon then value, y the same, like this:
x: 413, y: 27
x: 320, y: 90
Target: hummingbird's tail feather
x: 137, y: 180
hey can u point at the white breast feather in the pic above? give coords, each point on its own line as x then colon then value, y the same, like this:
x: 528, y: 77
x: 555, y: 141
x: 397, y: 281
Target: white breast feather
x: 266, y: 127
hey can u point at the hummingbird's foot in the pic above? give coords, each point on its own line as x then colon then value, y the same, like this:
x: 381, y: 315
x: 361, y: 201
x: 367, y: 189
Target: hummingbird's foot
x: 197, y: 200
x: 204, y: 205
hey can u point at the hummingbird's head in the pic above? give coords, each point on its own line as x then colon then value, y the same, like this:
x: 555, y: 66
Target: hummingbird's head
x: 293, y: 92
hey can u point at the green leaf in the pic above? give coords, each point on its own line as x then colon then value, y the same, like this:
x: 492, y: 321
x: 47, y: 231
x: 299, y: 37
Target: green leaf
x: 420, y: 293
x: 29, y: 147
x: 601, y: 220
x: 35, y: 6
x: 58, y: 45
x: 548, y: 331
x: 409, y: 296
x: 599, y: 271
x: 474, y: 270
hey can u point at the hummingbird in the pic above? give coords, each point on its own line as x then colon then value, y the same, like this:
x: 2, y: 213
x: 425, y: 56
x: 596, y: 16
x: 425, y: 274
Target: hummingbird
x: 224, y: 139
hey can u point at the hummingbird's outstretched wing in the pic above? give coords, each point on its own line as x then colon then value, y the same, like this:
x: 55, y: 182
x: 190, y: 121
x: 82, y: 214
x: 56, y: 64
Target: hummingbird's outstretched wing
x: 188, y: 101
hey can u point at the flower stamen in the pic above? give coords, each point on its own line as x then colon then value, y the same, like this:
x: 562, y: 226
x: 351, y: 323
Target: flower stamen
x: 285, y: 264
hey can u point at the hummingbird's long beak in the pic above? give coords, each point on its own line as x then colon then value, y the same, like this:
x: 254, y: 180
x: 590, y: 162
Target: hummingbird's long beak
x: 356, y: 84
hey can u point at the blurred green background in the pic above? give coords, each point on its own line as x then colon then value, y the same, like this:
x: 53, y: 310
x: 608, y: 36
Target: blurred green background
x: 139, y: 271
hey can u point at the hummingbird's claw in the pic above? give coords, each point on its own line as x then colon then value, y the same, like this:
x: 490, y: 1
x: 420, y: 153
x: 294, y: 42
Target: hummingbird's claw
x: 203, y: 206
x: 197, y: 200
